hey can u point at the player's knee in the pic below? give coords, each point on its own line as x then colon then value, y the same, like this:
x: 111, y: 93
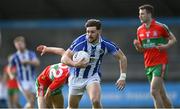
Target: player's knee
x: 154, y: 91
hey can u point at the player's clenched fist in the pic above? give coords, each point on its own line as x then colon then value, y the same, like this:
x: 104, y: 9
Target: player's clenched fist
x: 138, y: 46
x: 136, y: 42
x: 41, y: 49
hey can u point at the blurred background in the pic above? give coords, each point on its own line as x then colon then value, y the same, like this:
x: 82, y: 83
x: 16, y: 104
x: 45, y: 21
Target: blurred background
x: 59, y: 22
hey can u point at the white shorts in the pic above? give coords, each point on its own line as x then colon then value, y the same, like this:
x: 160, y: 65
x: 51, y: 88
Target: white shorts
x: 77, y: 86
x: 27, y: 85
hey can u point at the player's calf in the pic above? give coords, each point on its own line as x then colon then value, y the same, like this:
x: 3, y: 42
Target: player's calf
x: 96, y: 103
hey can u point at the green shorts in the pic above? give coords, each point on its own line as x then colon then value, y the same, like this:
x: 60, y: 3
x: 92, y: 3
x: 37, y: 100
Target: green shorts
x: 158, y: 70
x: 41, y: 90
x: 13, y: 91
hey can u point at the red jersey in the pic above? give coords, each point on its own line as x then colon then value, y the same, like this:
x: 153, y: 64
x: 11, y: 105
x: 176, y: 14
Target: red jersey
x: 54, y: 76
x: 11, y: 83
x: 149, y: 38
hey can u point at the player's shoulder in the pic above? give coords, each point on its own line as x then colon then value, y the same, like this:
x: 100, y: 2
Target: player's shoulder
x: 80, y: 38
x: 79, y: 41
x: 108, y: 42
x: 14, y: 55
x: 161, y: 25
x: 140, y: 27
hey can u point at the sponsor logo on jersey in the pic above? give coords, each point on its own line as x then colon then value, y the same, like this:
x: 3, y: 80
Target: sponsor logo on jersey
x: 141, y: 35
x: 155, y: 34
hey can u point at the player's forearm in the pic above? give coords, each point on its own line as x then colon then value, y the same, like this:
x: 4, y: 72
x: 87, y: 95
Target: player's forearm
x: 55, y: 50
x: 139, y: 49
x: 35, y: 62
x: 68, y: 61
x: 47, y: 95
x: 123, y: 67
x: 123, y: 64
x: 48, y: 91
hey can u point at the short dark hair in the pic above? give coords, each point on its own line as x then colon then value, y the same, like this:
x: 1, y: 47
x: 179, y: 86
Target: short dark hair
x: 93, y: 22
x: 19, y: 38
x: 149, y: 8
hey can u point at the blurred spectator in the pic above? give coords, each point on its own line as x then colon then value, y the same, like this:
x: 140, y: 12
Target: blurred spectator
x: 25, y: 62
x: 12, y: 86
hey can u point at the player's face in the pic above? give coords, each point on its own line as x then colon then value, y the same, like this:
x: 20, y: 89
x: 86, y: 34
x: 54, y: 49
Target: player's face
x: 20, y: 45
x: 93, y: 34
x: 144, y: 16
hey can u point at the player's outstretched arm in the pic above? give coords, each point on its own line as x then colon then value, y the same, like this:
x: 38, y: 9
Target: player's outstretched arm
x: 47, y: 95
x: 123, y: 69
x: 54, y: 50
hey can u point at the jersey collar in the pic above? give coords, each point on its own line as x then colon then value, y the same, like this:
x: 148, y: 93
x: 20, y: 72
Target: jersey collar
x: 152, y: 23
x: 100, y: 40
x: 19, y: 52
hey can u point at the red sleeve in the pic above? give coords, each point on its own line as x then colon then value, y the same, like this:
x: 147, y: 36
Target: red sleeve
x: 138, y: 36
x: 59, y: 81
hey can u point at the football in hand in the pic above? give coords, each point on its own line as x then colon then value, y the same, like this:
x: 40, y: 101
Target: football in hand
x: 81, y: 55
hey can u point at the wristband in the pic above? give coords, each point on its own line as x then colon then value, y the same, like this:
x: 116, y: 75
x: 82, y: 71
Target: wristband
x: 123, y: 76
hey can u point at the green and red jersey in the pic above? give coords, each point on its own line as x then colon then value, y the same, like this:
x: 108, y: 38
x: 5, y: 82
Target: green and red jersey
x: 149, y: 38
x: 53, y: 76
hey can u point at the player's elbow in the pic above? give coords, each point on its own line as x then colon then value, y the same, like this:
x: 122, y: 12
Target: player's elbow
x: 172, y: 40
x: 64, y: 59
x: 175, y: 40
